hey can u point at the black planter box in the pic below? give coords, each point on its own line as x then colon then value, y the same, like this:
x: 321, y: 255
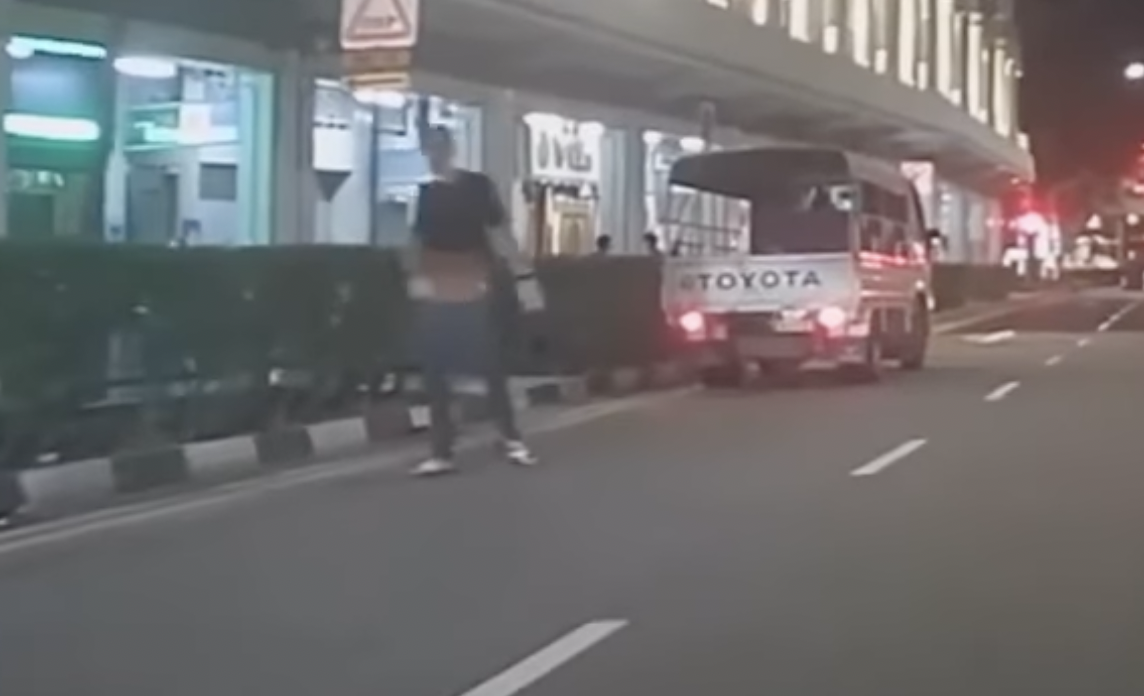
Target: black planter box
x: 284, y: 446
x: 11, y: 494
x: 386, y: 421
x: 138, y: 471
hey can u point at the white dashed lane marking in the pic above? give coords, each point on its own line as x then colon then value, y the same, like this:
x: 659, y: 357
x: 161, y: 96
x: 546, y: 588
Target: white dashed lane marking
x: 1002, y: 392
x: 885, y: 461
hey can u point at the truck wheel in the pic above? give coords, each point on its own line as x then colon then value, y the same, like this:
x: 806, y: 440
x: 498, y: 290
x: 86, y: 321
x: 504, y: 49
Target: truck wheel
x: 726, y: 376
x: 869, y: 370
x: 914, y: 357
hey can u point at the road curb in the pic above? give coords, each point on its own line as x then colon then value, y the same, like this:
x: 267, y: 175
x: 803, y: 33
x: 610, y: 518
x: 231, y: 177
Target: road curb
x: 77, y: 486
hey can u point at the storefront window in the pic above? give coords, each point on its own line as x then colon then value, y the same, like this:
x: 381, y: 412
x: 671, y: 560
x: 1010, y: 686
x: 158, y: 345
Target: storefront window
x: 400, y: 164
x: 562, y: 189
x: 368, y: 160
x: 191, y: 163
x: 55, y: 132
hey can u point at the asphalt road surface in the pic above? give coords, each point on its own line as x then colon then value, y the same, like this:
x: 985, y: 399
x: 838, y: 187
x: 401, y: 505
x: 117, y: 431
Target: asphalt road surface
x: 977, y: 528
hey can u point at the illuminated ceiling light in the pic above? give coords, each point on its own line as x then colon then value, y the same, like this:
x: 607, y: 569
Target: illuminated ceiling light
x: 1134, y: 71
x: 25, y: 46
x: 832, y: 38
x: 18, y: 50
x: 544, y: 121
x: 146, y: 67
x: 592, y: 129
x: 882, y: 60
x: 51, y: 127
x: 652, y: 138
x: 385, y: 98
x: 693, y: 144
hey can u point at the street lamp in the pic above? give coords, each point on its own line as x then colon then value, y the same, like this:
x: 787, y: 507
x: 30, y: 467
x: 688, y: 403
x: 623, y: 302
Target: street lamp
x: 1134, y: 72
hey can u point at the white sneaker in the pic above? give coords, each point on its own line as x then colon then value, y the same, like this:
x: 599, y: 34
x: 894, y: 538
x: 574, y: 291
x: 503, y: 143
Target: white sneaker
x: 434, y: 467
x: 518, y: 453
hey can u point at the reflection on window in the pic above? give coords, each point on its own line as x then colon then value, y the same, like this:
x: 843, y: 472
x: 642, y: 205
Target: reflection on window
x: 860, y: 31
x: 700, y: 223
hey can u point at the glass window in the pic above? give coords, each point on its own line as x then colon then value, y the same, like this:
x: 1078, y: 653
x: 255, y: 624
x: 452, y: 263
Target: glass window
x: 218, y: 182
x: 55, y: 132
x: 192, y: 159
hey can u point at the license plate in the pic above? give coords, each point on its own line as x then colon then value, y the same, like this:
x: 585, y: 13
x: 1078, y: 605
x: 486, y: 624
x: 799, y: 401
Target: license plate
x: 794, y: 325
x: 771, y: 347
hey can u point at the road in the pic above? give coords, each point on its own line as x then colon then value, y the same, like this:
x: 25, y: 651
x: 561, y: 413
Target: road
x: 973, y: 529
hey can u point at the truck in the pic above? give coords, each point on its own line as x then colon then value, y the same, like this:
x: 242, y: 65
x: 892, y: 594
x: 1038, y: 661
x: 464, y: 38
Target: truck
x: 798, y: 258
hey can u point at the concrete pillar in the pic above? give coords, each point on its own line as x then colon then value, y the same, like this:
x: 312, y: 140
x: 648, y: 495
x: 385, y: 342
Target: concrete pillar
x: 1014, y: 103
x: 115, y: 177
x: 635, y: 191
x: 293, y: 193
x: 622, y: 213
x: 842, y: 20
x: 503, y: 147
x: 931, y: 52
x: 893, y: 33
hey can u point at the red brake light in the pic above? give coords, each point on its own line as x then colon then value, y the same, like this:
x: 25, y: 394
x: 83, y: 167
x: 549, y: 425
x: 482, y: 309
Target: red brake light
x: 832, y: 318
x: 693, y: 322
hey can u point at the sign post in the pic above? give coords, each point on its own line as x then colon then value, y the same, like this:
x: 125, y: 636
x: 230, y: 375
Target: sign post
x: 708, y: 116
x: 377, y: 41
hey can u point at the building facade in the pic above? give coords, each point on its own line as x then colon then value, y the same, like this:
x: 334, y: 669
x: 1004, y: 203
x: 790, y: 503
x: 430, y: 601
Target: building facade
x: 146, y: 132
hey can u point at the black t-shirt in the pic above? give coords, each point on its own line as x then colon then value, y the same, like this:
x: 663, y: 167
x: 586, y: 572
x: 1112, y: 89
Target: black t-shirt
x: 456, y: 214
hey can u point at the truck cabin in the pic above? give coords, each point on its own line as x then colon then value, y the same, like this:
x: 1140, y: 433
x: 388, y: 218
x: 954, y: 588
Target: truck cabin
x: 768, y: 201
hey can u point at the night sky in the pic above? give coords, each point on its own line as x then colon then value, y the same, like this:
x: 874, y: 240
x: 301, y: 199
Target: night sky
x: 1077, y: 107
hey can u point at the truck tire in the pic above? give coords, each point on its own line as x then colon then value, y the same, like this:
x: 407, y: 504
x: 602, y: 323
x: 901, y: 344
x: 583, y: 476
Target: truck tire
x: 914, y: 357
x: 728, y: 376
x: 869, y: 371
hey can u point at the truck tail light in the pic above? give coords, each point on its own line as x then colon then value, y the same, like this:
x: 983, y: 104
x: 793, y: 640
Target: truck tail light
x: 833, y: 319
x: 694, y: 324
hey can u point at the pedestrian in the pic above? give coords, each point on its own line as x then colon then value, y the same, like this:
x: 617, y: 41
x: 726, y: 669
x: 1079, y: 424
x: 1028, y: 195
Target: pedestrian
x: 651, y: 243
x: 460, y: 233
x: 603, y: 245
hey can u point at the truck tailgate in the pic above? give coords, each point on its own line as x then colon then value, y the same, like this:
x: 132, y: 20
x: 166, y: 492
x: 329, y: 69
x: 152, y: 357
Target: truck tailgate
x: 760, y: 283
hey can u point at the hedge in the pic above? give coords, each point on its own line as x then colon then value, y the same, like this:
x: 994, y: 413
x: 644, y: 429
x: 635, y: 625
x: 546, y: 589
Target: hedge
x: 104, y: 348
x: 90, y: 331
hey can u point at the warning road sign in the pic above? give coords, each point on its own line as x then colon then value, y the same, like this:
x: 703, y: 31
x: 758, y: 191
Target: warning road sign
x: 374, y: 24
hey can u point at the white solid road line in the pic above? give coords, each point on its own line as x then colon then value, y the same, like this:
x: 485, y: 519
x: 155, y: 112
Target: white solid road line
x: 889, y: 459
x: 550, y: 658
x: 1115, y: 318
x: 1002, y: 391
x: 1054, y: 361
x: 993, y: 338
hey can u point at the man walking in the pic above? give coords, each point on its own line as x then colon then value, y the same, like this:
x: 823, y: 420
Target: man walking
x: 459, y: 233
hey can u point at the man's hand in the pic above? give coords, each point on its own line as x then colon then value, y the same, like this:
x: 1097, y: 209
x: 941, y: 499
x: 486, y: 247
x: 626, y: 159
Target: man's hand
x: 530, y: 294
x: 420, y: 287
